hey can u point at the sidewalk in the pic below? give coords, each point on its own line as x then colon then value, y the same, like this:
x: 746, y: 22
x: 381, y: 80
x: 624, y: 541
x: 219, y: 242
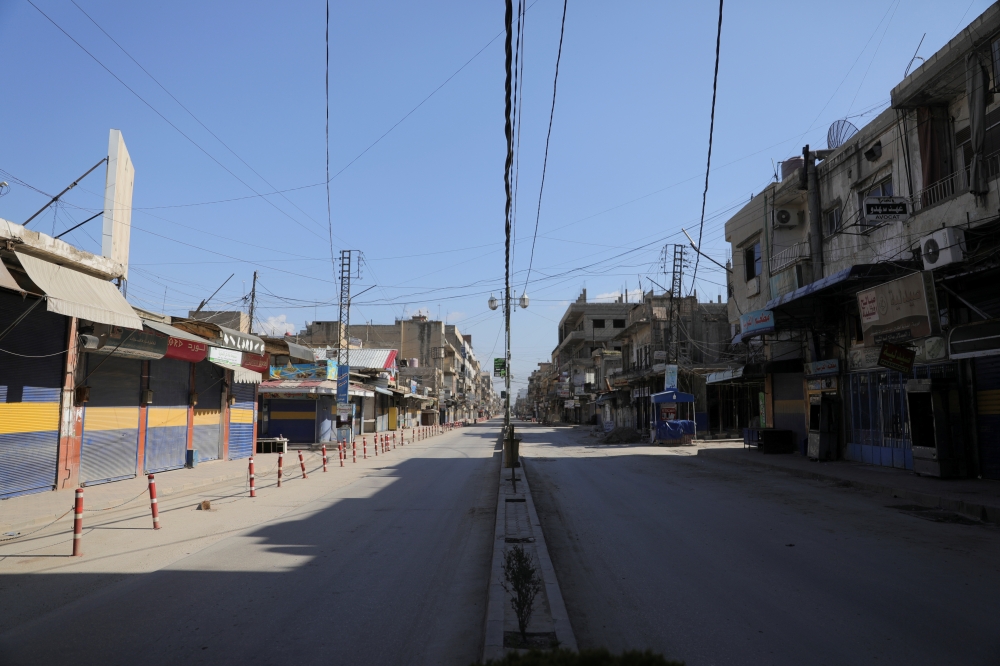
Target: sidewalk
x: 26, y: 511
x: 973, y: 498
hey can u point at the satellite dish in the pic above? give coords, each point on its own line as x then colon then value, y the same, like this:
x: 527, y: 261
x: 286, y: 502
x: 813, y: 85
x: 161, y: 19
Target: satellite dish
x: 839, y: 133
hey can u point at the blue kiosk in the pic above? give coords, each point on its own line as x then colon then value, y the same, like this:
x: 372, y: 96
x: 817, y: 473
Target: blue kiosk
x: 672, y: 428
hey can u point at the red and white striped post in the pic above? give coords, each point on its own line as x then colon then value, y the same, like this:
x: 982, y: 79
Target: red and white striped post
x: 253, y: 482
x: 78, y: 523
x: 343, y: 451
x: 375, y: 444
x: 354, y: 450
x: 152, y: 502
x: 324, y: 457
x: 281, y: 462
x: 302, y: 464
x: 385, y: 442
x: 393, y: 440
x: 364, y: 447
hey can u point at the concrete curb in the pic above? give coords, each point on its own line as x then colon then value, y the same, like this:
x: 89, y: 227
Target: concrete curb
x: 497, y: 598
x: 974, y: 510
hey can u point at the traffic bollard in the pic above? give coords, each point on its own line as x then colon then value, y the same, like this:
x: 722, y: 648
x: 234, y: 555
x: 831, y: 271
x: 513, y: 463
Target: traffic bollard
x: 354, y: 450
x: 302, y: 464
x: 152, y: 502
x: 281, y: 462
x: 78, y: 523
x: 253, y: 483
x: 324, y: 457
x: 393, y: 440
x: 375, y: 444
x: 364, y: 447
x: 343, y: 452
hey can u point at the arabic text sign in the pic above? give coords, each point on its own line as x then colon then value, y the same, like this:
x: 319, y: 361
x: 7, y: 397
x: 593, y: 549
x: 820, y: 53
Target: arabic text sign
x: 899, y: 310
x: 756, y: 322
x: 499, y: 367
x: 896, y: 358
x: 670, y: 377
x: 820, y: 368
x: 886, y: 209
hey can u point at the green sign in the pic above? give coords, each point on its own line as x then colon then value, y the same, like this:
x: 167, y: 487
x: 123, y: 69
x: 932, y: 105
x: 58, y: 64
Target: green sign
x: 499, y: 367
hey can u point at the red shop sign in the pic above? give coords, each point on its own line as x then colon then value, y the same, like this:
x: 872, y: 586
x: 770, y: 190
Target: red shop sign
x: 256, y: 362
x: 186, y: 350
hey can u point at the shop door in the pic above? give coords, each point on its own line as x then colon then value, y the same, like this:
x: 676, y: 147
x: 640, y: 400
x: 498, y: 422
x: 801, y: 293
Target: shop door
x: 110, y: 447
x: 207, y: 437
x: 988, y: 415
x: 293, y: 419
x: 241, y: 420
x: 29, y: 396
x: 167, y: 416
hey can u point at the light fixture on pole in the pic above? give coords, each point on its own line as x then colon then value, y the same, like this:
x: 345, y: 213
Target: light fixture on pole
x: 493, y: 302
x: 524, y: 300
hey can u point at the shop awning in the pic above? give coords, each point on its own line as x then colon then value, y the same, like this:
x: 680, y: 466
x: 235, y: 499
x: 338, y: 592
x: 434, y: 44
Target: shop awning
x: 379, y: 389
x: 7, y: 280
x: 981, y: 338
x: 671, y: 395
x: 798, y: 304
x: 244, y: 376
x: 184, y: 346
x: 302, y: 352
x: 172, y: 331
x: 237, y: 340
x: 603, y: 398
x: 74, y: 294
x: 301, y: 387
x: 233, y: 360
x: 725, y: 375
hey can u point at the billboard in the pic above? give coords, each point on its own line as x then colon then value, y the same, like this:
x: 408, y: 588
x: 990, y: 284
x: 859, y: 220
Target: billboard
x: 118, y: 202
x: 900, y: 310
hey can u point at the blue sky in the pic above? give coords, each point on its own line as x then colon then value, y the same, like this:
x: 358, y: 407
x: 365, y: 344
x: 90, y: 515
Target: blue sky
x: 425, y: 203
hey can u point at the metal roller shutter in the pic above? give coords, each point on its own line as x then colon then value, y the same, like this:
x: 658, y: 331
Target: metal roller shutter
x: 988, y: 415
x: 167, y: 416
x: 294, y: 419
x: 29, y: 396
x: 208, y: 379
x: 110, y: 447
x: 241, y: 419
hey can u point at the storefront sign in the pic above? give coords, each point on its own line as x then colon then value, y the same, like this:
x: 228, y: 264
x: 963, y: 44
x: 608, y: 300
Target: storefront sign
x: 186, y: 350
x: 226, y: 356
x: 257, y: 362
x: 569, y: 404
x: 886, y: 209
x: 668, y: 411
x: 499, y: 367
x: 896, y: 358
x: 317, y: 370
x: 240, y: 341
x: 343, y: 384
x: 819, y: 368
x: 130, y: 343
x: 899, y: 310
x: 757, y: 322
x: 822, y: 384
x: 669, y: 377
x: 863, y: 358
x: 659, y: 356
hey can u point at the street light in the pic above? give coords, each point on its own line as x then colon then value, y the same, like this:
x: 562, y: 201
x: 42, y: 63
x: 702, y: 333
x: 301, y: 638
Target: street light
x: 524, y: 300
x: 493, y: 303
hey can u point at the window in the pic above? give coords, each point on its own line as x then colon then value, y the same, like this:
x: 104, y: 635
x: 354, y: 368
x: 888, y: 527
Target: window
x: 618, y: 323
x: 598, y: 323
x: 833, y: 219
x: 751, y: 261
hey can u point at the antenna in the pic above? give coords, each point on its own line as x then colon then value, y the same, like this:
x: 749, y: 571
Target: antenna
x: 838, y: 134
x: 205, y: 302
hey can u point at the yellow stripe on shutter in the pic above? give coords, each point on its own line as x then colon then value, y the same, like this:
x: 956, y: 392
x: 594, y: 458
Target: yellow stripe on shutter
x: 17, y: 417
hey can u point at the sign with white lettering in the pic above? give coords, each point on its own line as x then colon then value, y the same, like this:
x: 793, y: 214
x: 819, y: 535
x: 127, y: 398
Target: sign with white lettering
x: 900, y: 310
x: 820, y: 368
x: 896, y: 358
x: 757, y: 322
x: 886, y: 209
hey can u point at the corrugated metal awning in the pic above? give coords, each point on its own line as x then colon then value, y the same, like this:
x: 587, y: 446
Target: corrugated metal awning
x: 74, y: 294
x: 301, y: 352
x: 173, y: 331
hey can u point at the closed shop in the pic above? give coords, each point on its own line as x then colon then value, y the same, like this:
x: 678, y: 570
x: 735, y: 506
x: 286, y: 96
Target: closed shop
x: 110, y: 444
x: 208, y: 384
x: 293, y: 419
x: 988, y: 415
x: 167, y: 415
x: 241, y: 420
x: 29, y: 395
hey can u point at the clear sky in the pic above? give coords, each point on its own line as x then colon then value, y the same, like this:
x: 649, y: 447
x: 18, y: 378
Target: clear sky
x: 425, y: 203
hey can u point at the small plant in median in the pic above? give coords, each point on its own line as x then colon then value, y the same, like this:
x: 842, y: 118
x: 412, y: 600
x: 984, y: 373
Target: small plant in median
x: 522, y: 582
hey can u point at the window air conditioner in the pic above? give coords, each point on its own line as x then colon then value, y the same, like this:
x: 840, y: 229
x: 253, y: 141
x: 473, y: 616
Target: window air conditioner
x: 753, y: 286
x: 784, y: 217
x: 943, y: 247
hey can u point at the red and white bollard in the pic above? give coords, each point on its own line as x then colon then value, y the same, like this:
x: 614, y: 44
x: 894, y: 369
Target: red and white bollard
x: 302, y: 464
x: 324, y: 457
x: 340, y: 452
x: 375, y: 444
x: 393, y: 440
x: 253, y: 482
x: 364, y: 447
x: 78, y: 523
x: 281, y: 462
x: 354, y: 450
x: 152, y: 502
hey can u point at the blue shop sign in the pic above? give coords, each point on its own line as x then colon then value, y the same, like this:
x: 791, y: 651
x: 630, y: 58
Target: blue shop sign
x: 757, y: 322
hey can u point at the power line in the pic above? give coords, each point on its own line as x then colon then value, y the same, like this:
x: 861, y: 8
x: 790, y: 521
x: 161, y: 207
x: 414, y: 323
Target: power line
x: 711, y: 131
x: 548, y: 137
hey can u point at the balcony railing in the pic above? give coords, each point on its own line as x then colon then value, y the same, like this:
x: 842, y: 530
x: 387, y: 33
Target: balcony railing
x: 789, y: 256
x: 948, y: 186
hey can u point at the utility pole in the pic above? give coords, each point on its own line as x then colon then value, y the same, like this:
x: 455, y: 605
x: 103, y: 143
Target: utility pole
x: 253, y: 300
x: 676, y: 283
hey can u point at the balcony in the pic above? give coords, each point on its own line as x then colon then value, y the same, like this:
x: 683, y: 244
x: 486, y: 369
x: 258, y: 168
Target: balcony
x: 789, y: 256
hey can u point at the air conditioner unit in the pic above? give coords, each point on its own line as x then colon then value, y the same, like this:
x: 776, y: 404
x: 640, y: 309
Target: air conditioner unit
x: 753, y: 286
x: 786, y: 217
x: 943, y: 247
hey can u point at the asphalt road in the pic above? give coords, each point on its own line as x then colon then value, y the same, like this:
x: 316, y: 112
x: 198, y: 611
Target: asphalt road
x: 713, y: 563
x: 384, y: 563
